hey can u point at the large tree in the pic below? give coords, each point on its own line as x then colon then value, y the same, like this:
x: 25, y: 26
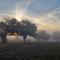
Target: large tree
x: 3, y: 31
x: 27, y: 28
x: 7, y: 26
x: 56, y: 35
x: 24, y: 28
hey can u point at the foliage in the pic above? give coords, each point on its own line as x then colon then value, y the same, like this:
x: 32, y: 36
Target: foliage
x: 24, y: 27
x: 27, y: 28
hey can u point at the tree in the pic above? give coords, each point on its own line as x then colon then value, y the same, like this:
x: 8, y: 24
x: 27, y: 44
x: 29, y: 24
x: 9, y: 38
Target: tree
x: 42, y: 35
x: 27, y: 28
x: 9, y: 26
x: 3, y: 31
x: 56, y: 36
x: 24, y: 28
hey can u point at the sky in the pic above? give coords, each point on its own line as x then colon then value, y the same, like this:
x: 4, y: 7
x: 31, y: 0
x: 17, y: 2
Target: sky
x: 44, y: 13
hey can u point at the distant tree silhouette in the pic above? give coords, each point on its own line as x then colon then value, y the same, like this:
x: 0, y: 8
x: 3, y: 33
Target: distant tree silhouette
x: 56, y: 36
x: 42, y: 35
x: 27, y: 28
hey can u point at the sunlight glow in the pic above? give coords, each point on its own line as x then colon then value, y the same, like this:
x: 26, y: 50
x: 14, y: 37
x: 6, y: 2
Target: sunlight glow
x: 20, y: 11
x: 47, y: 22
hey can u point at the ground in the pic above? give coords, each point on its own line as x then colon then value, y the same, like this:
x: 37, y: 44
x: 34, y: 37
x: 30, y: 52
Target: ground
x: 29, y: 51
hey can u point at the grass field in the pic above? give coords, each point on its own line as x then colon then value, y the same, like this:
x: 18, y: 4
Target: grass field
x: 29, y: 51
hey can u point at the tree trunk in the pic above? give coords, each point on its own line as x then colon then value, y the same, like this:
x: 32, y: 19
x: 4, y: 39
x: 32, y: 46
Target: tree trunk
x: 4, y: 40
x: 24, y: 38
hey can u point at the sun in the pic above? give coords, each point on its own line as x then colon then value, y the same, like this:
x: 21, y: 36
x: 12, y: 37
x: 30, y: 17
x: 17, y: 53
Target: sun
x: 18, y: 15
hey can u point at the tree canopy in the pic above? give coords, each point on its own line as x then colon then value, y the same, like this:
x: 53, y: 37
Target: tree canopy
x: 24, y: 27
x: 27, y: 28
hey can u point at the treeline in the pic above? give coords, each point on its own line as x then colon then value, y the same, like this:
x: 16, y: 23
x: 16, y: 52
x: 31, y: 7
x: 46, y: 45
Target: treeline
x: 47, y: 36
x: 25, y: 28
x: 12, y: 25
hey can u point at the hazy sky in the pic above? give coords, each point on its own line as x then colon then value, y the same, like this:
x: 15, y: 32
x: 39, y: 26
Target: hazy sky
x: 45, y: 13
